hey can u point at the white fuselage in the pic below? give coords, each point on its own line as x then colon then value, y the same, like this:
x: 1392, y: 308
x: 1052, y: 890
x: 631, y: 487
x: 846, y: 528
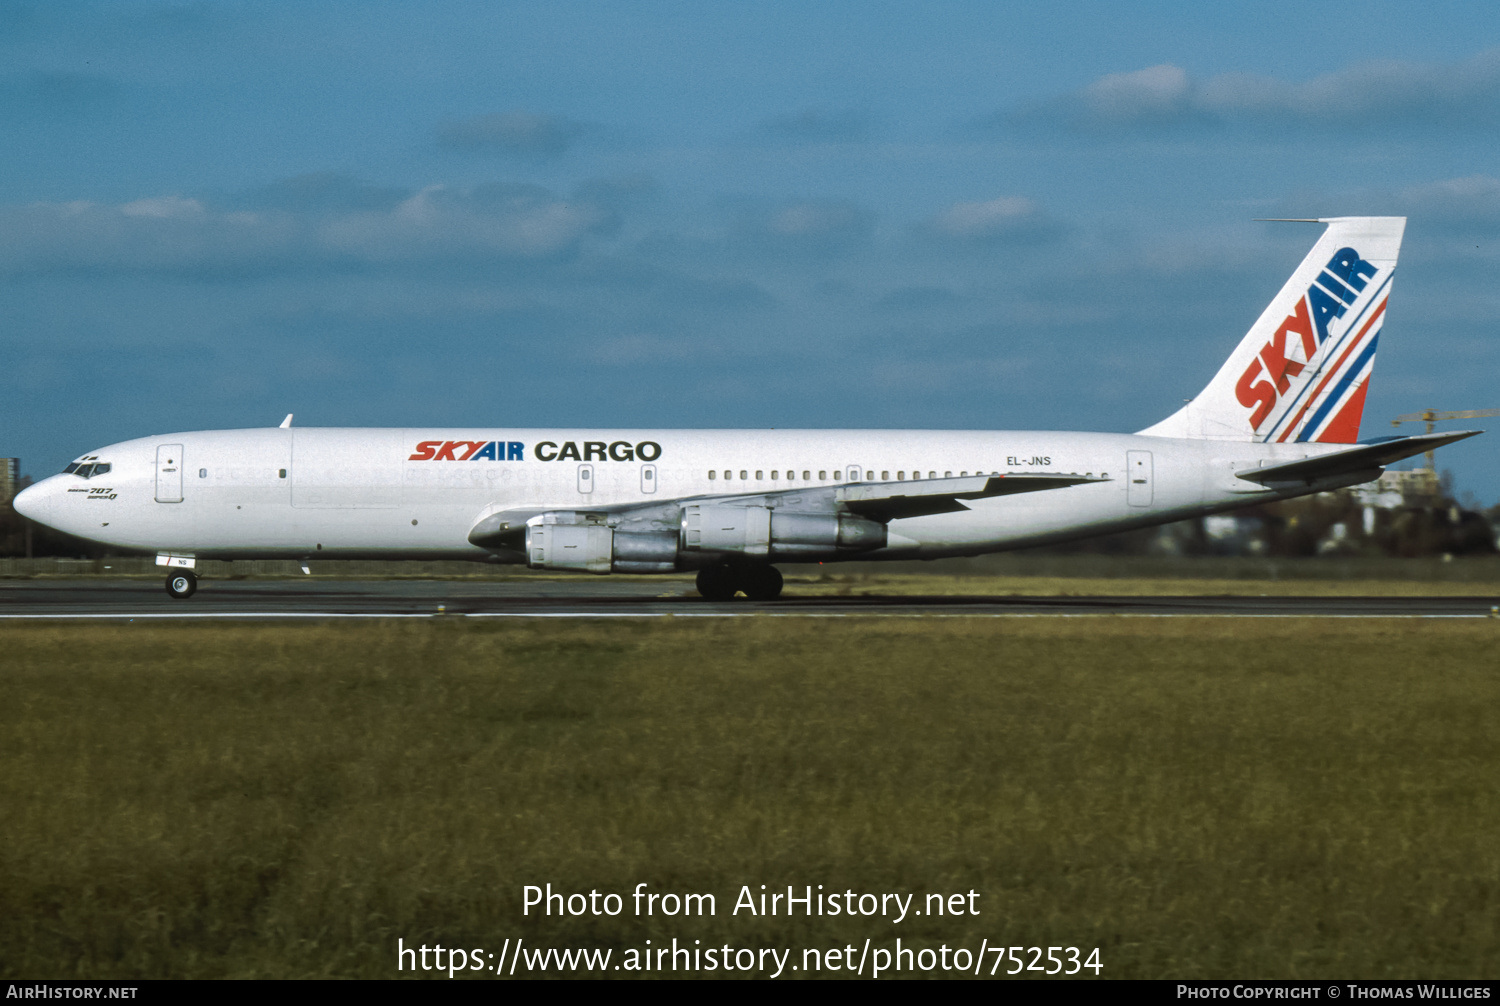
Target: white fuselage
x: 408, y: 493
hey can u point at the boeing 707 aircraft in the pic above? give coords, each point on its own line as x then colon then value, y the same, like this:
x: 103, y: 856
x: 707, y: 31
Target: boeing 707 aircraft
x: 1280, y: 419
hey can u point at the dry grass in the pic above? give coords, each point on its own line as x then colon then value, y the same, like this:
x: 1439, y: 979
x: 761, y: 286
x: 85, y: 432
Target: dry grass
x: 1198, y: 798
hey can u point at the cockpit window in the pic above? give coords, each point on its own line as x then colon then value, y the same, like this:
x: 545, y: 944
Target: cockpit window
x: 70, y: 469
x: 86, y: 470
x: 101, y: 468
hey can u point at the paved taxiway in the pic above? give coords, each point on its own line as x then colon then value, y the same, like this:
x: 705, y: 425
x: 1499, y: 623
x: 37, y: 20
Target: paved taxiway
x: 589, y: 597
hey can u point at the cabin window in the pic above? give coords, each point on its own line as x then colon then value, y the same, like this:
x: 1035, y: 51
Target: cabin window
x: 900, y: 476
x: 932, y: 475
x: 823, y: 475
x: 760, y: 475
x: 728, y: 475
x: 712, y: 476
x: 281, y: 474
x: 744, y: 474
x: 869, y: 476
x: 203, y: 473
x: 773, y: 474
x: 947, y: 475
x: 807, y: 476
x: 963, y: 474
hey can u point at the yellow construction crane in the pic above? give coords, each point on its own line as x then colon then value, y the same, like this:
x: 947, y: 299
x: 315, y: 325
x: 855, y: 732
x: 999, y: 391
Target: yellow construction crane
x: 1432, y: 417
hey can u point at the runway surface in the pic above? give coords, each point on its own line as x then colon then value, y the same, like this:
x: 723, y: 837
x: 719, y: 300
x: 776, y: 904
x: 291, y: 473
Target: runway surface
x: 589, y: 597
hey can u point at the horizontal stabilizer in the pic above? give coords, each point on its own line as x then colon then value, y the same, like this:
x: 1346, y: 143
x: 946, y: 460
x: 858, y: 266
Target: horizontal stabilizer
x: 1364, y: 458
x: 885, y: 501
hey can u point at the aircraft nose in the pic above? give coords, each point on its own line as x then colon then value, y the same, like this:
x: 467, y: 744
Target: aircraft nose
x: 34, y: 503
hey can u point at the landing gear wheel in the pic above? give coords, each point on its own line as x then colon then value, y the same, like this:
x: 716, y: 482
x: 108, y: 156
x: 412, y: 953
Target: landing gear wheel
x: 761, y: 583
x: 182, y: 584
x: 717, y: 583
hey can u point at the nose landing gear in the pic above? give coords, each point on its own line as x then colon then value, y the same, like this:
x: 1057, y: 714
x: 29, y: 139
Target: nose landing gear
x: 721, y: 583
x: 182, y: 584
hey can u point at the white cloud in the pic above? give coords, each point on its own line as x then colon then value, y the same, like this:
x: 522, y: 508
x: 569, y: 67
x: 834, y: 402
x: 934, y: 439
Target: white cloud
x: 164, y: 207
x: 984, y: 219
x: 1387, y: 93
x: 514, y: 132
x: 511, y: 221
x: 1465, y: 204
x: 177, y: 234
x: 815, y: 125
x: 1157, y: 92
x: 815, y: 227
x: 815, y: 219
x: 1007, y: 219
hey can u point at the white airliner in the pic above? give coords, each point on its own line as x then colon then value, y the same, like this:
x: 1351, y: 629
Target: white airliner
x: 1280, y: 419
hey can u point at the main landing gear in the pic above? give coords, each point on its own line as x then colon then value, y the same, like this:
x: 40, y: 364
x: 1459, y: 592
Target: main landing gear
x: 720, y: 583
x: 182, y: 584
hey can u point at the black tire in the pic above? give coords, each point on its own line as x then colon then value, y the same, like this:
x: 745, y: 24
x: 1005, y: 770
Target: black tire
x: 761, y: 583
x: 717, y: 583
x: 182, y: 584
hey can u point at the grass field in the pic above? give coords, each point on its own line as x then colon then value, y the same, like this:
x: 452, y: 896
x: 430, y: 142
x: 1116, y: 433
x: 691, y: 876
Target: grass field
x: 1196, y: 797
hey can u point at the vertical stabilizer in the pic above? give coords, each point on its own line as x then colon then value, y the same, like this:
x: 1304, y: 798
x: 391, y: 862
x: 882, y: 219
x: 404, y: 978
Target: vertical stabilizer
x: 1302, y: 370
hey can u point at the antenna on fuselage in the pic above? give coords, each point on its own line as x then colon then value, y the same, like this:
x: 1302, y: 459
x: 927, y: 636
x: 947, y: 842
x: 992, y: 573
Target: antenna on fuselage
x: 286, y: 423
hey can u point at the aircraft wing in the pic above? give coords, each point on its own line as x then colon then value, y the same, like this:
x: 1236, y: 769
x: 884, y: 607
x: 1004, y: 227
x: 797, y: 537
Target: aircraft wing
x: 1367, y: 458
x: 877, y: 501
x: 884, y: 501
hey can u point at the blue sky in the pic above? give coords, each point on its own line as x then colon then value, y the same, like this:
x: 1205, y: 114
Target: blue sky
x: 947, y: 215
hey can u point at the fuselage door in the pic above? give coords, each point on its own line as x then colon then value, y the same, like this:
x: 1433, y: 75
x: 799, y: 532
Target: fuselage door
x: 169, y: 473
x: 1138, y: 476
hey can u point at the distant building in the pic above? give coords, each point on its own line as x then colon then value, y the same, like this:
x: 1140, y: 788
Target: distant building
x: 1416, y: 487
x: 1413, y: 489
x: 10, y: 477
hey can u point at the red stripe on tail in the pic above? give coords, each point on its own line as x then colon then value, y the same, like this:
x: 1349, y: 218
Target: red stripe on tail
x: 1344, y: 429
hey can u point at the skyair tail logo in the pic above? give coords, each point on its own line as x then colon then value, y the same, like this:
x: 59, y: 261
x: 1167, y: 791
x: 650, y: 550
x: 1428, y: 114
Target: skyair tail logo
x: 1273, y: 375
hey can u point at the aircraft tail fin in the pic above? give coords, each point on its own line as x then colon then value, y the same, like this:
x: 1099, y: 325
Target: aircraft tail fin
x: 1301, y: 372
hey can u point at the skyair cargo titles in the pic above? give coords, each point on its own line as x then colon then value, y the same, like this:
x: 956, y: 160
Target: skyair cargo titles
x: 1279, y: 419
x: 469, y: 450
x: 546, y: 450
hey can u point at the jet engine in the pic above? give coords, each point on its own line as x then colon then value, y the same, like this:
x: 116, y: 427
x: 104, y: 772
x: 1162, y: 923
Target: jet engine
x: 767, y: 532
x: 576, y: 540
x: 598, y: 548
